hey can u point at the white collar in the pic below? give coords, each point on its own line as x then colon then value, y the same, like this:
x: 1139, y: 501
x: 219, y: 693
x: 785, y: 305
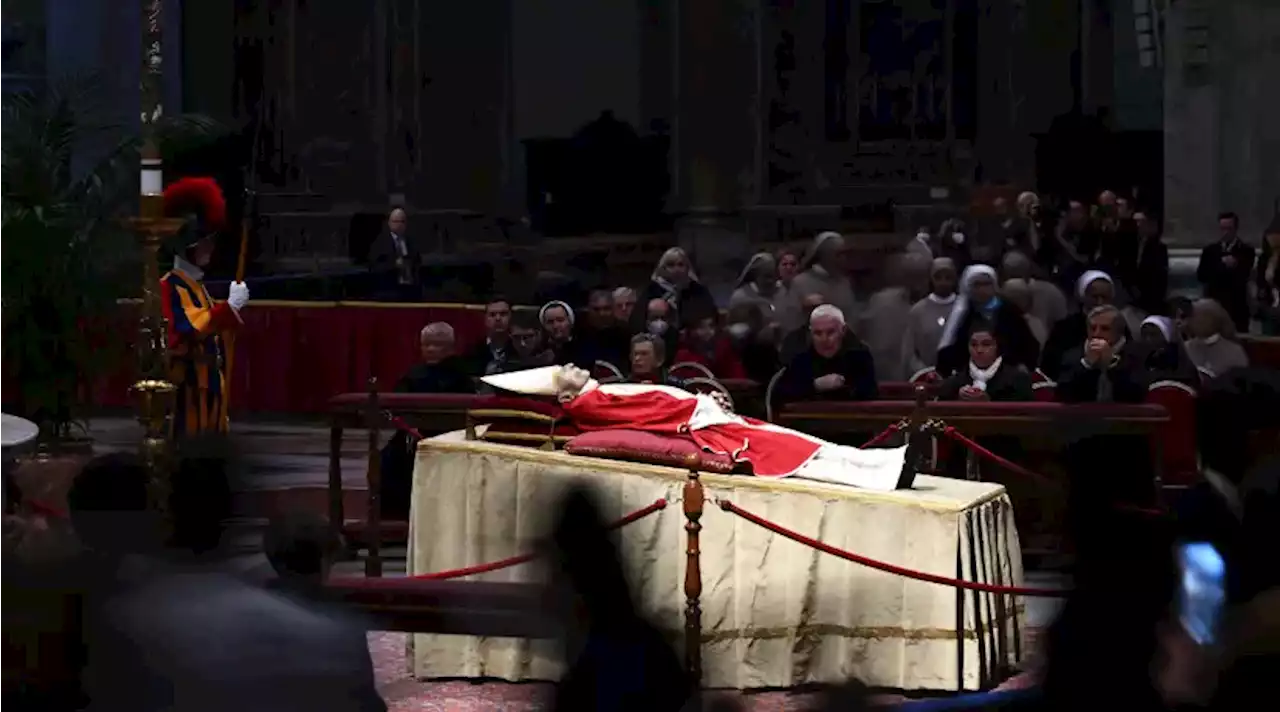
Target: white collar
x: 1211, y: 340
x: 980, y: 376
x: 949, y: 299
x: 185, y: 267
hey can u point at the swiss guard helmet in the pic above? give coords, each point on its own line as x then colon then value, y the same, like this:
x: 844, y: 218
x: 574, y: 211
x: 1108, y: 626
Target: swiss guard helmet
x: 202, y: 203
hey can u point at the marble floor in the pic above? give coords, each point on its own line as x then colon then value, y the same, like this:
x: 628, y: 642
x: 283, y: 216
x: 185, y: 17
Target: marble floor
x: 284, y: 466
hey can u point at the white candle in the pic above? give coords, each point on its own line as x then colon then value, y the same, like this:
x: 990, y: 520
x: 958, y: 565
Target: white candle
x: 152, y: 177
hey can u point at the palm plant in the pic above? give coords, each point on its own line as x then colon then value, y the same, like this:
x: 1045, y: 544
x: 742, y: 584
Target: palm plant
x: 69, y: 176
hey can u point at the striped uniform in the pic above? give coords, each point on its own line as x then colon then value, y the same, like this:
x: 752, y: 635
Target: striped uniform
x: 195, y: 326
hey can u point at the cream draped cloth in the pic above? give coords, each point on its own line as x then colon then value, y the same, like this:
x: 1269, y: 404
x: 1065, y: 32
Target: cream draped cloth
x: 775, y: 613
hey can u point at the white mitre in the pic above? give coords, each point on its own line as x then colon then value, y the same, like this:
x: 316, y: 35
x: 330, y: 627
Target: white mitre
x: 544, y: 381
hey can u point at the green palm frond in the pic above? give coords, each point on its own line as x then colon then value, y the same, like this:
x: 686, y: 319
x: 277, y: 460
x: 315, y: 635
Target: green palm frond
x: 69, y: 174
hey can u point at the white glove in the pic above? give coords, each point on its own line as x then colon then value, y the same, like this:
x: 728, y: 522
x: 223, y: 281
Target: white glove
x: 238, y: 295
x: 829, y: 382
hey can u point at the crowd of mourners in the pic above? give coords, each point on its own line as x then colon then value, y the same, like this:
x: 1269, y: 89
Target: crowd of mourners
x: 1077, y: 296
x: 120, y: 607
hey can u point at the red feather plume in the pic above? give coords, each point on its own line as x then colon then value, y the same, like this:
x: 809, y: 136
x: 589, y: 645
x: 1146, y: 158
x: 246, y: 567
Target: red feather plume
x: 201, y: 196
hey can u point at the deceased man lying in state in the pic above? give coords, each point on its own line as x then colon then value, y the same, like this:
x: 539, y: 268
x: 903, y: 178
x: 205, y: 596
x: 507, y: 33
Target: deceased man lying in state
x: 772, y: 451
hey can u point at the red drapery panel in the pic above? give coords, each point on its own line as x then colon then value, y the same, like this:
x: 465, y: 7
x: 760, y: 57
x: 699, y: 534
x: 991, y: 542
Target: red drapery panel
x: 292, y: 357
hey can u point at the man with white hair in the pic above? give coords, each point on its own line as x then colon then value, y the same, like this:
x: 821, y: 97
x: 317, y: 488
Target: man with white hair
x: 770, y: 450
x: 440, y: 370
x: 624, y: 302
x: 834, y: 367
x: 1103, y: 369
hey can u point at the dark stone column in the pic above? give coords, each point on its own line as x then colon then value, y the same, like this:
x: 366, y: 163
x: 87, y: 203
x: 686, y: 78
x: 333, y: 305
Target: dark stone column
x: 715, y: 146
x: 716, y: 121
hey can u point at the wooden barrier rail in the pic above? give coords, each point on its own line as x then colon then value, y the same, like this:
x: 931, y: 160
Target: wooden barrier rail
x: 519, y: 610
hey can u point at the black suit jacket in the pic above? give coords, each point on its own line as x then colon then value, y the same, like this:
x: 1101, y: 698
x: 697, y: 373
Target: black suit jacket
x: 1078, y: 383
x: 1149, y: 284
x: 448, y: 376
x: 1228, y: 285
x: 382, y: 262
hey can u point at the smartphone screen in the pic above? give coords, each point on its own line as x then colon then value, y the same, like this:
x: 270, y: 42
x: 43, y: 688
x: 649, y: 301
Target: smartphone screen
x: 1202, y: 590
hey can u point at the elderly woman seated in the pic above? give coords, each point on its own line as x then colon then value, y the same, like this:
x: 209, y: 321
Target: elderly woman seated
x: 988, y: 377
x: 833, y: 367
x: 1213, y: 347
x: 1164, y: 357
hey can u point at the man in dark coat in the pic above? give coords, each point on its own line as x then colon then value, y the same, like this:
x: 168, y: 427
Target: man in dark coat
x: 394, y: 262
x: 830, y: 369
x: 1225, y: 268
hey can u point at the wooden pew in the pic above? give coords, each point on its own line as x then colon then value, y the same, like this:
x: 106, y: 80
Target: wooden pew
x: 972, y: 419
x: 512, y: 610
x: 1040, y: 426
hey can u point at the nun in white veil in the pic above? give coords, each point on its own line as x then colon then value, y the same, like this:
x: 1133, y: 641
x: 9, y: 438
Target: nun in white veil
x: 758, y: 288
x: 979, y: 302
x: 824, y: 271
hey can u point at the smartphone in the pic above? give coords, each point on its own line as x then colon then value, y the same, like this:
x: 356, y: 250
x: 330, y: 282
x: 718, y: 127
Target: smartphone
x: 1201, y: 590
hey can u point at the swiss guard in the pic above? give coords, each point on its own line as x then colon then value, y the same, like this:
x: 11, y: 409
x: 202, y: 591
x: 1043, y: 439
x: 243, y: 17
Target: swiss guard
x: 195, y: 323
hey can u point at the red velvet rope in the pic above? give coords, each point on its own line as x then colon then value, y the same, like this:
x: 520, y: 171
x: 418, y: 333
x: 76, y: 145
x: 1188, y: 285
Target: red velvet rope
x: 886, y: 567
x: 884, y: 435
x: 526, y: 558
x: 1015, y: 468
x: 965, y: 440
x: 398, y: 423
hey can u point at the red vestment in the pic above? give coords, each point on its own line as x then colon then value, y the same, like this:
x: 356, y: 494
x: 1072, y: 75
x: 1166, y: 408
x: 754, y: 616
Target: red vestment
x: 772, y: 451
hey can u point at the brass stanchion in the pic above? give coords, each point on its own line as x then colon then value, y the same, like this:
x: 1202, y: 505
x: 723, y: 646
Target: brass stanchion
x: 154, y: 392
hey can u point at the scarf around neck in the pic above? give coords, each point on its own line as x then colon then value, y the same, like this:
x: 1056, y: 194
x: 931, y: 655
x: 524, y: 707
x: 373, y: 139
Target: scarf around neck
x: 980, y: 376
x: 670, y: 292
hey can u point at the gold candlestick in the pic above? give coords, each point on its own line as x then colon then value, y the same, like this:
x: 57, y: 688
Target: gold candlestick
x: 154, y: 392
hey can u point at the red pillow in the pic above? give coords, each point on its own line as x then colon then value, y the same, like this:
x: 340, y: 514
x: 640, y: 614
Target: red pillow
x: 649, y: 448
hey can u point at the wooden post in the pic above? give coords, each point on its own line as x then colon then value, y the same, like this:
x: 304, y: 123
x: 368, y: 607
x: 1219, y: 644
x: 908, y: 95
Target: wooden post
x: 373, y: 520
x: 693, y: 502
x: 337, y: 515
x: 917, y: 438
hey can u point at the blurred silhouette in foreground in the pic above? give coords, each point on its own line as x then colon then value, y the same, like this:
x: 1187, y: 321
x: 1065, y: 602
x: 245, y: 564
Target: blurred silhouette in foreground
x: 167, y: 630
x: 616, y: 659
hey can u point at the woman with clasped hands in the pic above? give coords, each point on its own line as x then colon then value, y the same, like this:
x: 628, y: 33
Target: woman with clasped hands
x: 988, y: 377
